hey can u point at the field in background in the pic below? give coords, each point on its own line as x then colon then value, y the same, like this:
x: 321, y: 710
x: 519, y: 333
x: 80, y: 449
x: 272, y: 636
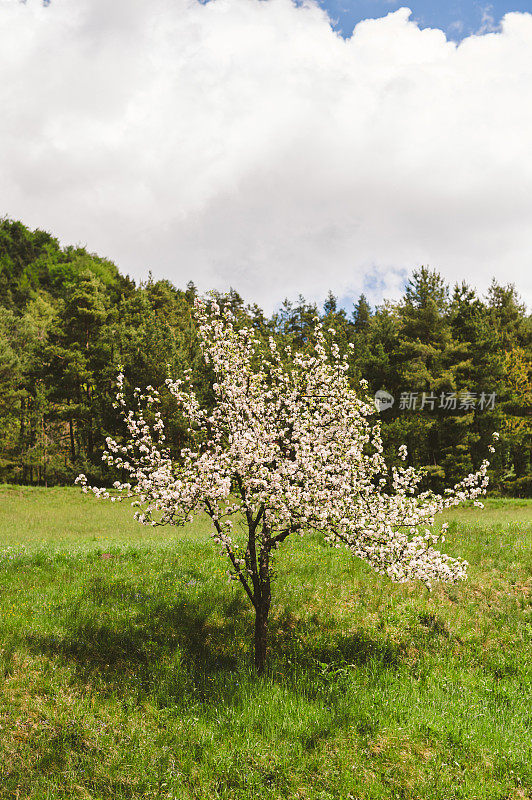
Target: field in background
x: 125, y: 653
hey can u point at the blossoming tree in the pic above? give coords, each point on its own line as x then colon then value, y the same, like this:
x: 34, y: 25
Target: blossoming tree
x: 288, y: 448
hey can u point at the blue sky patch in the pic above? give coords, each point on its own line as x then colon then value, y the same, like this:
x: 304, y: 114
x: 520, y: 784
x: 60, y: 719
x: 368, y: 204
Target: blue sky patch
x: 458, y: 18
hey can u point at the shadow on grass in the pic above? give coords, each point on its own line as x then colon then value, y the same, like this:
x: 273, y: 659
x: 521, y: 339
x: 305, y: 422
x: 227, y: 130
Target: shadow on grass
x: 184, y: 644
x: 134, y: 650
x: 320, y: 647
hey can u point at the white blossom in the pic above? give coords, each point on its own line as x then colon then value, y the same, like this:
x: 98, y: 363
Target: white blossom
x: 289, y: 447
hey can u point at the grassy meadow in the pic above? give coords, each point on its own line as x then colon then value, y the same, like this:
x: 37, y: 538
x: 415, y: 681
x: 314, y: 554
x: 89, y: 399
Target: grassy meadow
x: 125, y: 660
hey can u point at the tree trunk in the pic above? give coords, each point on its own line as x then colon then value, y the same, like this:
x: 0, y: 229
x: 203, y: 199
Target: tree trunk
x: 22, y: 435
x: 261, y: 638
x: 262, y: 606
x: 72, y: 444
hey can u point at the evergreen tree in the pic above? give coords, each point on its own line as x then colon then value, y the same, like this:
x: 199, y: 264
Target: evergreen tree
x: 362, y: 316
x: 330, y: 305
x: 69, y: 319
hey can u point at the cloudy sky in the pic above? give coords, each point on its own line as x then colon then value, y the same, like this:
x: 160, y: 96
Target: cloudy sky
x: 270, y: 146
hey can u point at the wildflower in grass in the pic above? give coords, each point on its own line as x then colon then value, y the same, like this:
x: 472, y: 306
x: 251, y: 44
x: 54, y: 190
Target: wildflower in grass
x: 289, y: 447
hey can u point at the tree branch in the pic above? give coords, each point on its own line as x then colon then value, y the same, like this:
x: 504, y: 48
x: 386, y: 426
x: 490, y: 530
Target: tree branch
x: 231, y: 555
x: 284, y: 534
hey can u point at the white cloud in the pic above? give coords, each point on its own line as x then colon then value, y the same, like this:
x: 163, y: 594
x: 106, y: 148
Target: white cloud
x: 487, y: 21
x: 245, y: 143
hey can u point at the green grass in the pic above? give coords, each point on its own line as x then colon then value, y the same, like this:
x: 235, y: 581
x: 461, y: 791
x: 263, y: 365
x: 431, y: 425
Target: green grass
x: 125, y: 664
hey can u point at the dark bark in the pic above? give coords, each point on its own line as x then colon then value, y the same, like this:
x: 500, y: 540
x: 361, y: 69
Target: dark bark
x: 261, y: 637
x: 72, y: 444
x: 238, y: 571
x: 257, y: 559
x: 22, y: 440
x: 262, y: 604
x: 90, y: 439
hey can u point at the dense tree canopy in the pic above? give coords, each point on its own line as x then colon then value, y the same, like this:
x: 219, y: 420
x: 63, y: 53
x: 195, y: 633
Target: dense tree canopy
x: 458, y: 366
